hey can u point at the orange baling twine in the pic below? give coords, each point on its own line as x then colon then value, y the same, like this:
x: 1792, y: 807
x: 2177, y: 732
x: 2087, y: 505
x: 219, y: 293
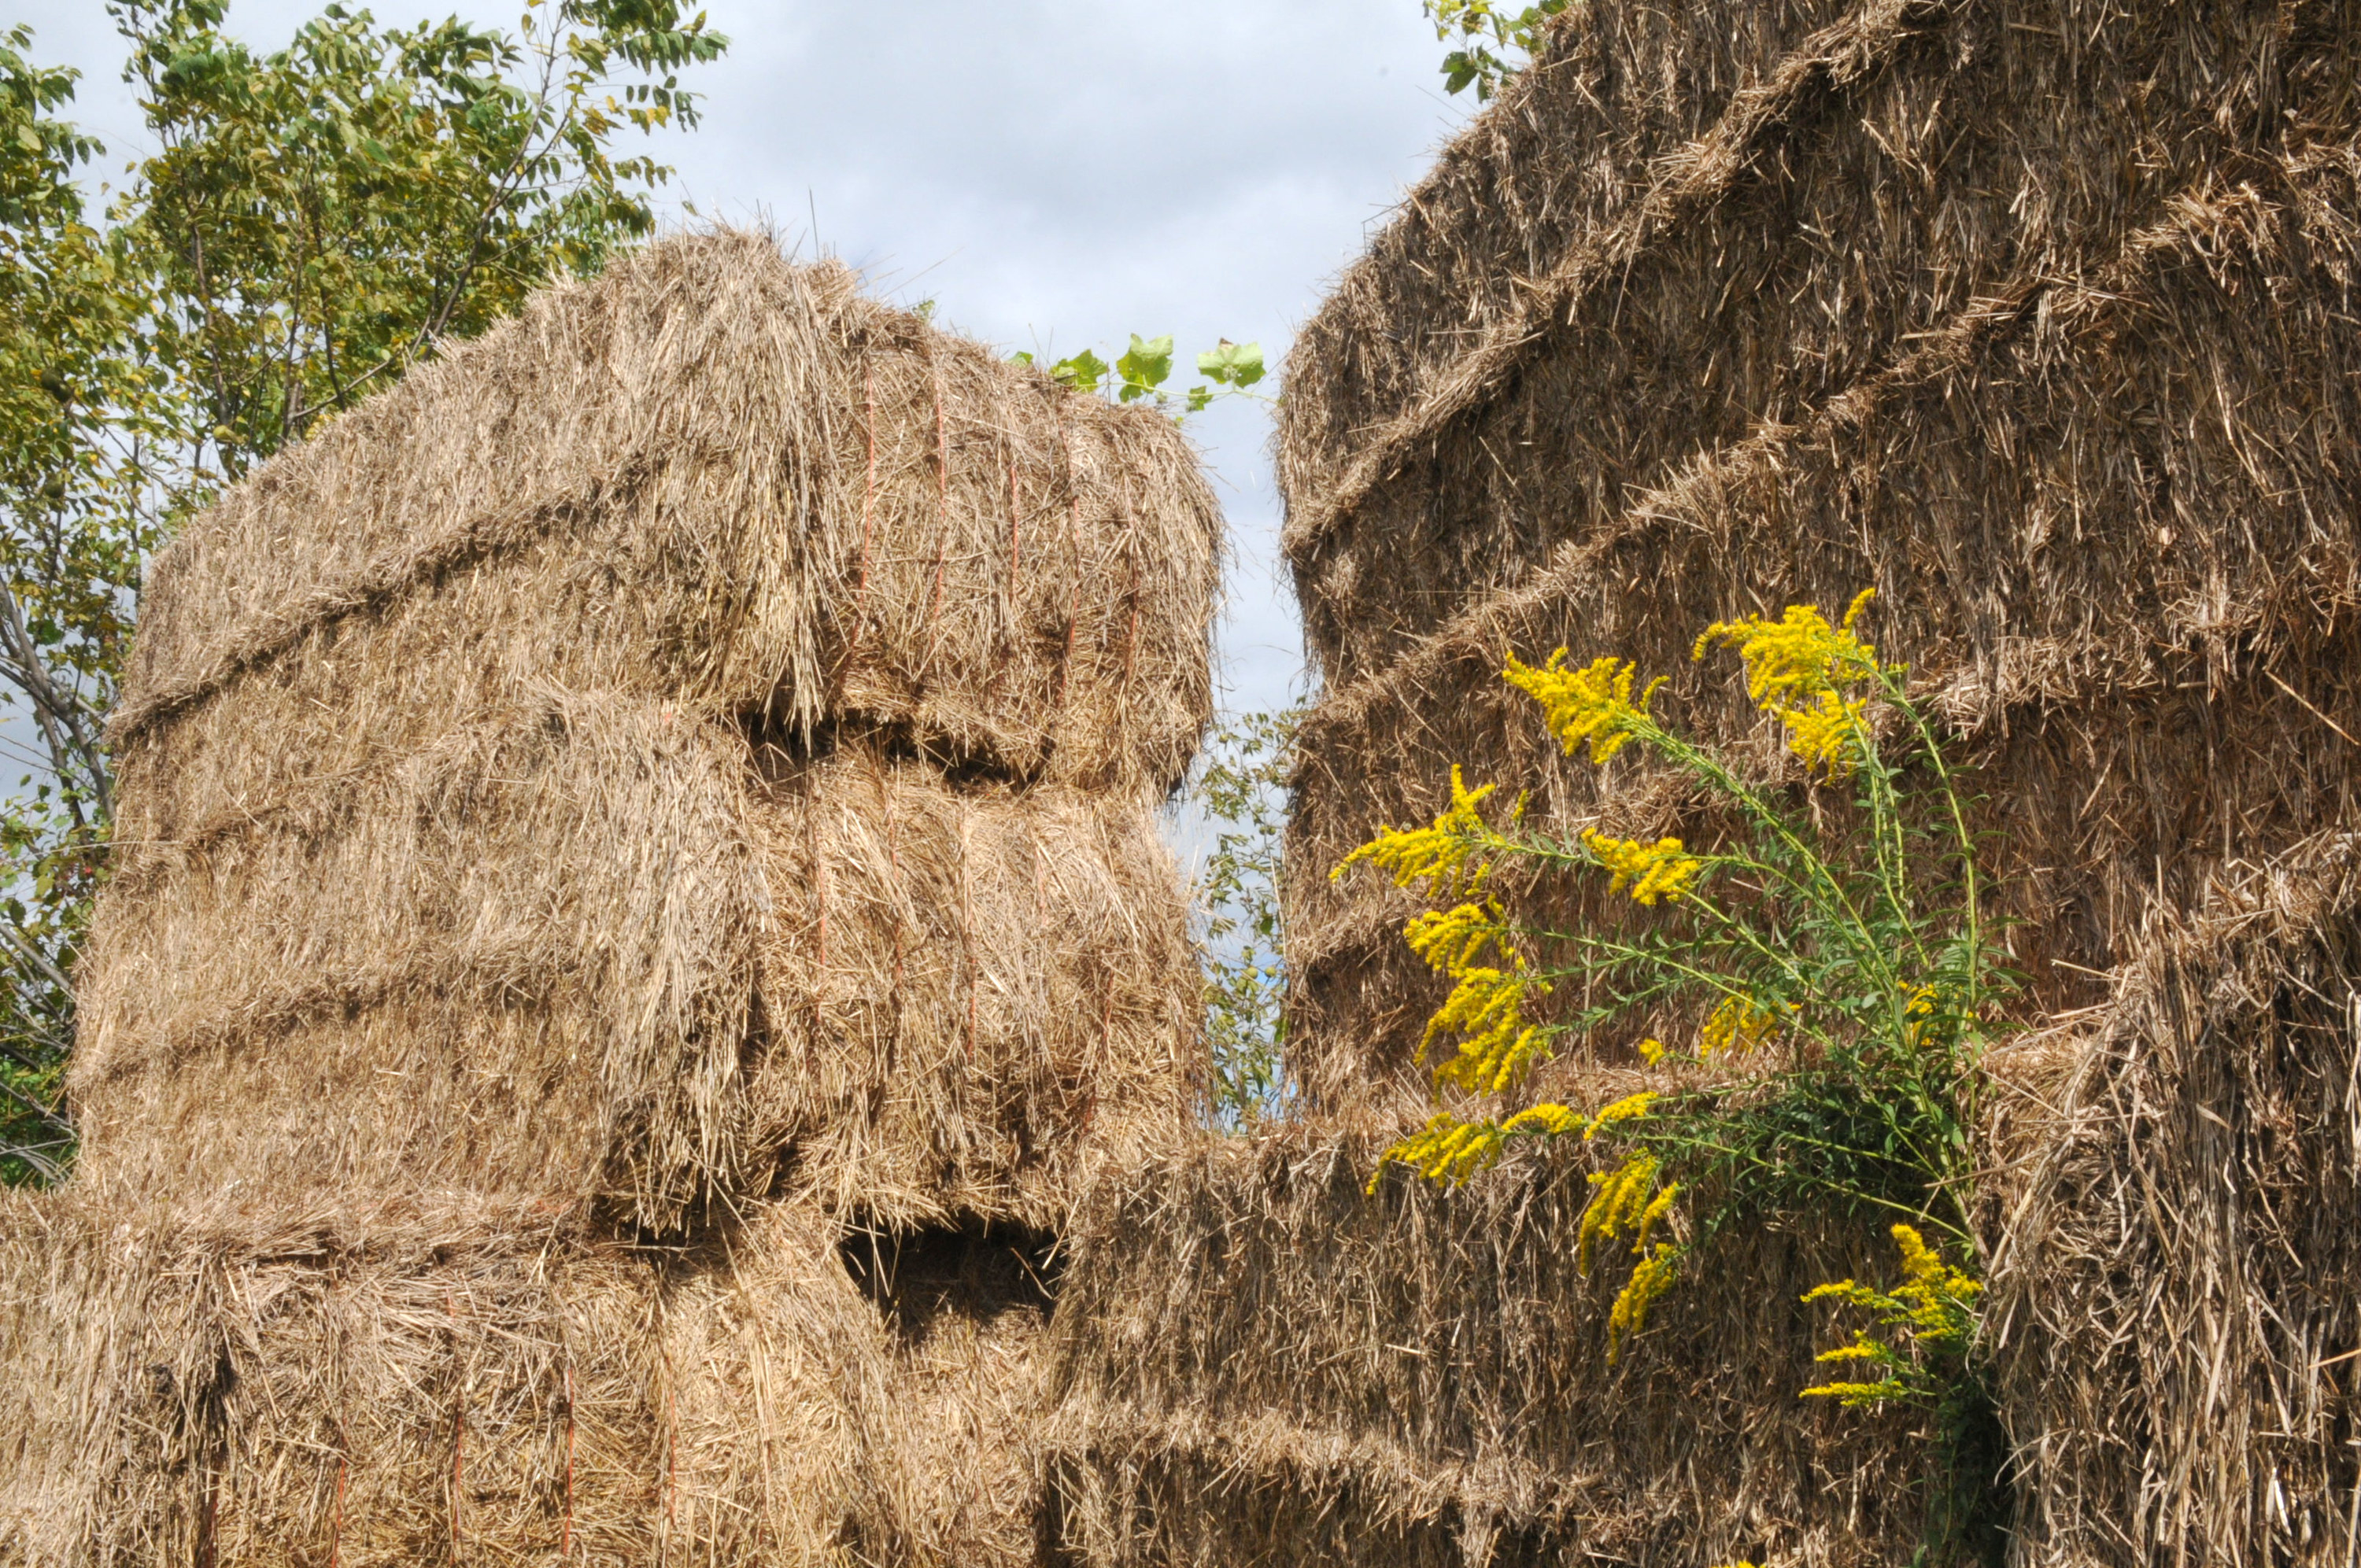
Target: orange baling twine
x: 942, y: 500
x: 565, y: 1535
x: 868, y: 502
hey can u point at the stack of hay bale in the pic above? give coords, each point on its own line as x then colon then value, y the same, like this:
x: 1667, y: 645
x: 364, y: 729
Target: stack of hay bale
x: 630, y: 842
x: 2039, y: 318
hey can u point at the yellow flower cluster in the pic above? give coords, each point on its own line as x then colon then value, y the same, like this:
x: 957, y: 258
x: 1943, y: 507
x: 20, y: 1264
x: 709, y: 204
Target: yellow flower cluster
x: 1624, y: 1201
x: 1661, y: 870
x: 1495, y: 1045
x: 1934, y: 1306
x: 1629, y: 1108
x: 1798, y: 669
x: 1546, y: 1121
x: 1445, y: 1150
x: 1593, y: 703
x: 1449, y: 1151
x: 1451, y: 939
x: 1737, y: 1026
x: 1653, y: 1277
x: 1441, y: 854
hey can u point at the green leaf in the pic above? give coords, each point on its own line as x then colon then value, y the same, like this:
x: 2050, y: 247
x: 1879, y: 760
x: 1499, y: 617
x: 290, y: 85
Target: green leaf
x: 1084, y: 372
x: 1233, y: 364
x: 1145, y: 365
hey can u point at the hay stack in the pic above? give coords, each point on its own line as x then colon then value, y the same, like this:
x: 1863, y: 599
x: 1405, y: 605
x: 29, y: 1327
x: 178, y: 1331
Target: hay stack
x: 662, y: 794
x: 444, y: 859
x: 2037, y: 318
x: 2043, y: 342
x: 1256, y: 1364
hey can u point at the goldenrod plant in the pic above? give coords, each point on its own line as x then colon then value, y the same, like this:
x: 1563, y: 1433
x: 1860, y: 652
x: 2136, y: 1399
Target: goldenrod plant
x: 1813, y: 988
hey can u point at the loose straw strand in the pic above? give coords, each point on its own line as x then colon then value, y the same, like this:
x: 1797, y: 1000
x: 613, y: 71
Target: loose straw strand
x: 1074, y: 554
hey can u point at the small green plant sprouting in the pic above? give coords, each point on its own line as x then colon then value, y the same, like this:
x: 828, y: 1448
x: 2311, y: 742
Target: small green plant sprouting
x: 1823, y: 981
x: 1141, y: 371
x: 1494, y: 41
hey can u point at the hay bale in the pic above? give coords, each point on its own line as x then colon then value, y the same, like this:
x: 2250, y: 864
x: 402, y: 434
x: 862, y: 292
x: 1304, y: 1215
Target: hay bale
x: 1254, y: 1364
x: 710, y: 477
x: 484, y: 1385
x: 2176, y: 1175
x: 973, y: 994
x: 523, y: 962
x: 445, y: 861
x: 1896, y: 316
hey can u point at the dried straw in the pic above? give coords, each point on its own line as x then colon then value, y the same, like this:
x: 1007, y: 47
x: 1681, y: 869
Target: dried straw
x: 1256, y: 1365
x: 445, y: 861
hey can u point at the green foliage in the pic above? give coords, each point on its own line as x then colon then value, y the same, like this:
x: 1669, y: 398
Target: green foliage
x: 79, y: 412
x: 1241, y: 791
x: 1141, y: 371
x: 311, y: 223
x: 1494, y: 41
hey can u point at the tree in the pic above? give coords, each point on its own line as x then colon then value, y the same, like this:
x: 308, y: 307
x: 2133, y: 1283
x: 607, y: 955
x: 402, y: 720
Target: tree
x: 1241, y: 789
x: 313, y: 221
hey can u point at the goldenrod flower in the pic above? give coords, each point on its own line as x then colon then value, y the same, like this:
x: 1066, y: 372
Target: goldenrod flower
x: 1629, y: 1108
x: 1651, y: 1279
x: 1798, y: 656
x: 1453, y: 939
x: 1440, y: 854
x: 1449, y: 1151
x: 1653, y: 1214
x: 1486, y: 1007
x: 1798, y: 669
x: 1661, y: 870
x: 1736, y: 1027
x: 1550, y: 1120
x: 1593, y: 703
x: 1652, y: 1051
x: 1618, y: 1199
x: 1934, y: 1306
x: 1832, y: 732
x: 1446, y: 1150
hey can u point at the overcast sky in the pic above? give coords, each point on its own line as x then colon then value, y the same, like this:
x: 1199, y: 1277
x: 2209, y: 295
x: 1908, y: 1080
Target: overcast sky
x: 1053, y: 173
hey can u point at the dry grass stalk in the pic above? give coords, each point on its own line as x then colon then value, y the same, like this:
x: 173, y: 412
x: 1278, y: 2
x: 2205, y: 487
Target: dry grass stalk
x: 488, y: 1386
x: 667, y: 785
x: 2036, y: 319
x: 2095, y: 476
x: 370, y: 1385
x: 2175, y: 1177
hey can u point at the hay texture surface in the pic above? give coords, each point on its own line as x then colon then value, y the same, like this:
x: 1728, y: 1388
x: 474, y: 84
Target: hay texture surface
x: 2030, y: 317
x: 449, y: 856
x: 1256, y: 1364
x: 484, y: 1385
